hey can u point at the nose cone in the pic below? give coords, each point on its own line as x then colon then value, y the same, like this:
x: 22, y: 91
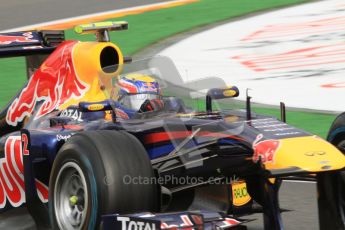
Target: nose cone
x: 309, y: 154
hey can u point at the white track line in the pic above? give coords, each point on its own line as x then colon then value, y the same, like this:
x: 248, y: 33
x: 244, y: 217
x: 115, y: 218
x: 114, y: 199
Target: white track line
x: 300, y: 181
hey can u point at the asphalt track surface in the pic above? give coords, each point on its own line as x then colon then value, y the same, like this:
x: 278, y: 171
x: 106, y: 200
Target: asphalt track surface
x: 298, y: 197
x: 18, y: 13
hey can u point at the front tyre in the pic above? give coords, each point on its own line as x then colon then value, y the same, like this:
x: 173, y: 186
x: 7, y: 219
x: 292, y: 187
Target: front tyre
x: 331, y: 197
x: 88, y: 179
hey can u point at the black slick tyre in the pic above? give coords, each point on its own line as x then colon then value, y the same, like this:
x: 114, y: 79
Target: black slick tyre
x: 331, y: 197
x: 94, y: 174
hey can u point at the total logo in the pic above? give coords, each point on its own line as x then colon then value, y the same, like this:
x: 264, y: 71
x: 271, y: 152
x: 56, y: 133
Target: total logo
x: 127, y: 224
x: 72, y: 113
x: 12, y: 188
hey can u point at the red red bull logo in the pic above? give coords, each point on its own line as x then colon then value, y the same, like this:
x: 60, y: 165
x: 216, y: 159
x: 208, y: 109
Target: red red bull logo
x: 23, y: 38
x: 265, y: 150
x: 12, y: 188
x: 53, y: 84
x: 148, y: 87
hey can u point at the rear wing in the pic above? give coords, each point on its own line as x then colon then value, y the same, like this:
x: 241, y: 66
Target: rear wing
x: 29, y: 43
x: 34, y: 45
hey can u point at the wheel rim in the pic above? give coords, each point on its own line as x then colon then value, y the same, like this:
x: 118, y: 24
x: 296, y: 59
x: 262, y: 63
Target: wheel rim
x: 70, y: 197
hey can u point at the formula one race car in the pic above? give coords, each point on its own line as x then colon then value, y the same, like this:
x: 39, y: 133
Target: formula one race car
x: 119, y: 144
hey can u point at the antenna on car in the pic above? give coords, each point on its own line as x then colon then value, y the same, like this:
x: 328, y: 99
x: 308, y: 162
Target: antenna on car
x: 101, y: 29
x: 248, y: 107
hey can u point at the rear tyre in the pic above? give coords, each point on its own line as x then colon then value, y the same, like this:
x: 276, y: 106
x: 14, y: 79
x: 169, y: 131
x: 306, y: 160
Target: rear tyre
x: 93, y: 175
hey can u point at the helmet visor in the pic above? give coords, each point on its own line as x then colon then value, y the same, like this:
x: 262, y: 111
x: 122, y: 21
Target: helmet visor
x: 134, y: 101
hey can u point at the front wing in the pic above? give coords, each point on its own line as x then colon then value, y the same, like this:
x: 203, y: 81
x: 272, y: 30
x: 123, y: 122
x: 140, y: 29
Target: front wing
x: 205, y: 220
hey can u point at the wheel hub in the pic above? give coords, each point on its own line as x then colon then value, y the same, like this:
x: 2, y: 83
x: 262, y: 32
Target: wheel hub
x: 70, y: 197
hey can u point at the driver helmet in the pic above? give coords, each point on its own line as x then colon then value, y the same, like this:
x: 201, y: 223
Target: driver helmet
x: 137, y: 88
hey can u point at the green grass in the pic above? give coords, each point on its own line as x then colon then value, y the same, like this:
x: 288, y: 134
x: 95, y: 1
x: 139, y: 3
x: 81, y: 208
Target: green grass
x: 12, y: 78
x: 150, y: 27
x: 316, y: 123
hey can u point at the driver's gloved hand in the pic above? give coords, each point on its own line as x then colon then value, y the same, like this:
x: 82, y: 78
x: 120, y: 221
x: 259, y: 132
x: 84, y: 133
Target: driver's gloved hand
x: 151, y: 105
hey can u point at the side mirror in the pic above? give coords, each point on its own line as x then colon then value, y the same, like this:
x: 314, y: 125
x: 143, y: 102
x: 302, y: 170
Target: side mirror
x: 217, y: 93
